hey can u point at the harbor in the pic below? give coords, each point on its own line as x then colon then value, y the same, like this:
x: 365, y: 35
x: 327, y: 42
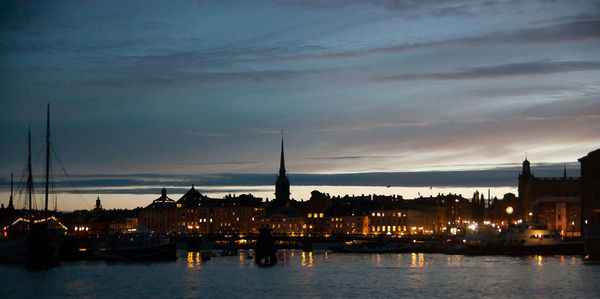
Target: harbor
x: 316, y: 274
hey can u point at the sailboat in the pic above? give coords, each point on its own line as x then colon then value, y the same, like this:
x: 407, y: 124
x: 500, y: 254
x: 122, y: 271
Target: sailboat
x: 34, y: 238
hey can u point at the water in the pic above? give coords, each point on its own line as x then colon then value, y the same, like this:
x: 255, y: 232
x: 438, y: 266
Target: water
x: 310, y: 275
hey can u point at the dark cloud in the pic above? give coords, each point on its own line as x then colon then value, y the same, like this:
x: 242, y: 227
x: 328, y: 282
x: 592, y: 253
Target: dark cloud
x: 497, y: 176
x: 225, y: 163
x: 202, y: 134
x: 500, y: 71
x: 553, y: 34
x: 166, y: 79
x: 371, y: 125
x: 350, y: 157
x: 408, y: 8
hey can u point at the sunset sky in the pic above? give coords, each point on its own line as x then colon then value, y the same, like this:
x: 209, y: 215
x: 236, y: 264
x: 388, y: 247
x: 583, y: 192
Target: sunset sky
x: 190, y: 87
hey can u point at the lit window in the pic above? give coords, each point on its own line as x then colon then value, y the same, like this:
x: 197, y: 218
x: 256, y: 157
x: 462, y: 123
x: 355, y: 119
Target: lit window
x: 321, y: 215
x: 309, y: 215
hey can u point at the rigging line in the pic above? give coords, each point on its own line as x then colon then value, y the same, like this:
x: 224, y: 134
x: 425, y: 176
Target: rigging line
x: 19, y: 198
x: 87, y: 204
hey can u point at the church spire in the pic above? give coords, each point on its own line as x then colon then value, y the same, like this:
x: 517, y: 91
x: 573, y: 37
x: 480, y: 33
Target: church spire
x: 282, y: 184
x: 565, y: 170
x: 282, y: 162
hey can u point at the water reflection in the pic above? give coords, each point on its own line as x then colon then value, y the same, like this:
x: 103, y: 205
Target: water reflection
x: 307, y: 262
x: 539, y: 260
x: 454, y: 260
x: 417, y: 260
x: 193, y: 259
x: 377, y: 260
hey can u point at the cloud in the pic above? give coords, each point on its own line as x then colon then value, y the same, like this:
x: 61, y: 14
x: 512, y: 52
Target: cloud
x: 265, y: 131
x: 200, y: 134
x: 164, y: 79
x: 500, y: 71
x: 351, y: 157
x: 370, y: 126
x: 225, y: 163
x: 409, y: 8
x: 554, y: 34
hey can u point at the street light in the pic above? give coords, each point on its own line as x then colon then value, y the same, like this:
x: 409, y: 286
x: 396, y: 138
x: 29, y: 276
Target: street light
x: 509, y: 211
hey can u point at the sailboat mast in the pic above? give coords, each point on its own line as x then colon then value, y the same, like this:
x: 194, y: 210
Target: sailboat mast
x: 29, y: 176
x: 47, y: 156
x: 10, y: 202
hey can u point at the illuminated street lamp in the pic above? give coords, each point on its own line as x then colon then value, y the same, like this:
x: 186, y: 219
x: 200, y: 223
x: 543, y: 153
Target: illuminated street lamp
x: 509, y: 210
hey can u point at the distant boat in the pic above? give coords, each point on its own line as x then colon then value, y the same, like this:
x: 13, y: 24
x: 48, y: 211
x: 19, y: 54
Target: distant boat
x: 523, y: 239
x: 530, y: 235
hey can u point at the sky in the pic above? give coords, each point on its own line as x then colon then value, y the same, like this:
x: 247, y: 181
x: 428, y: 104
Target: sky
x: 205, y: 87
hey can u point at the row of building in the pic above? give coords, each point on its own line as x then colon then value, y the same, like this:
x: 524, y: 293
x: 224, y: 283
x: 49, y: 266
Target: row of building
x: 561, y: 203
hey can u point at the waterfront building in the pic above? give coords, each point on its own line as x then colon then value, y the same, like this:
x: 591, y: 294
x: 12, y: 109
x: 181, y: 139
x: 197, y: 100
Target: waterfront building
x: 553, y: 201
x: 192, y: 216
x: 349, y: 225
x: 590, y: 184
x: 129, y: 225
x: 454, y: 210
x: 240, y: 214
x: 498, y: 210
x: 286, y: 225
x: 387, y: 222
x: 160, y: 215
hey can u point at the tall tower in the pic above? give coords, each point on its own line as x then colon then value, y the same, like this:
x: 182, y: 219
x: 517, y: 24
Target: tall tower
x: 98, y: 205
x: 526, y: 191
x: 282, y: 185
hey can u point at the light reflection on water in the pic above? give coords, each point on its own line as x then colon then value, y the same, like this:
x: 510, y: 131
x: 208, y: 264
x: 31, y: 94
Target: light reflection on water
x: 307, y: 259
x: 314, y: 274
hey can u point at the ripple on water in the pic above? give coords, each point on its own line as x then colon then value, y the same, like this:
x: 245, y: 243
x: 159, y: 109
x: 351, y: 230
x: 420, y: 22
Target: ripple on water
x: 315, y: 275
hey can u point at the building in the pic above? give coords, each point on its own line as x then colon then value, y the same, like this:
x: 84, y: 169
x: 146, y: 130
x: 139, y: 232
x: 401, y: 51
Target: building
x: 590, y: 184
x: 193, y: 214
x: 98, y: 205
x: 554, y: 201
x: 387, y: 222
x: 282, y: 184
x: 160, y: 215
x: 239, y: 214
